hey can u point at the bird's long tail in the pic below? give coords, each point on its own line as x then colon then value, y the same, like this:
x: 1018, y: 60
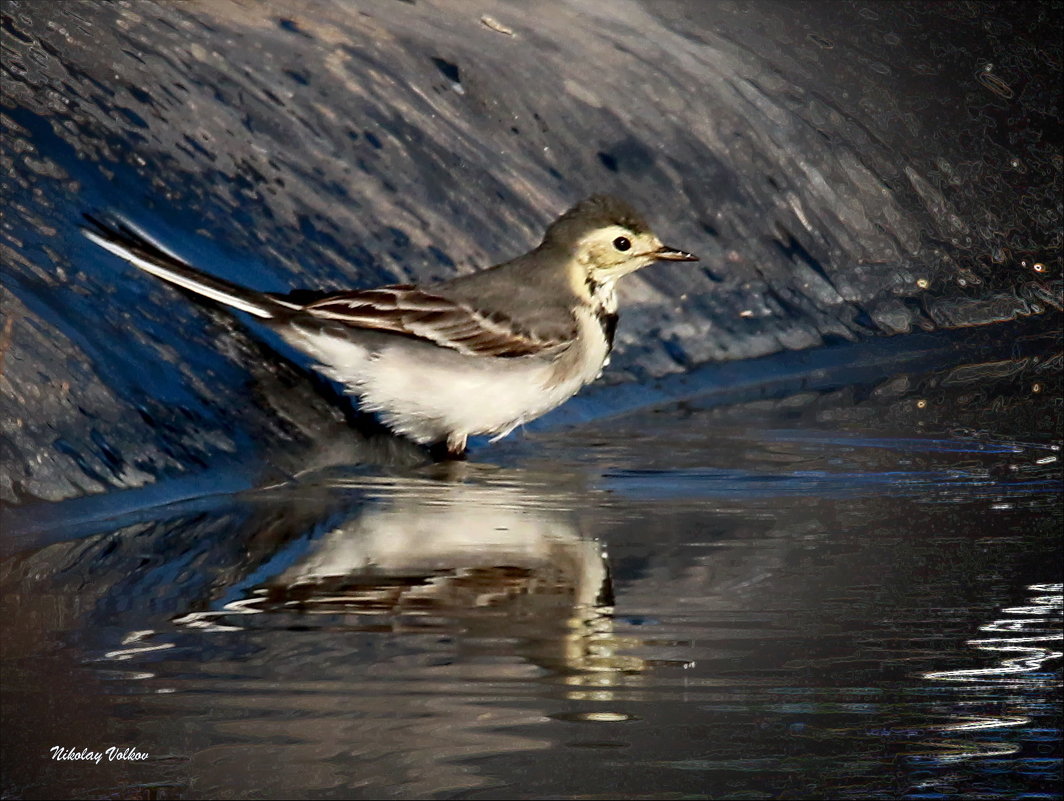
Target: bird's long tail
x: 140, y: 251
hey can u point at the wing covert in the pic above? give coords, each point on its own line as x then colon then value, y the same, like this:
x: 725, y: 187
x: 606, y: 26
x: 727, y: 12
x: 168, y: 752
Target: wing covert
x: 409, y: 311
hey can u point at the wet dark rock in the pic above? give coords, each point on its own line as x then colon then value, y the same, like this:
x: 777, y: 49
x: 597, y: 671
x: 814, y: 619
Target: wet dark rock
x: 842, y: 176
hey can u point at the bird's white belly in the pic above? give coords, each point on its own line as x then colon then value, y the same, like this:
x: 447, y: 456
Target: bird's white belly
x: 429, y: 393
x: 430, y: 401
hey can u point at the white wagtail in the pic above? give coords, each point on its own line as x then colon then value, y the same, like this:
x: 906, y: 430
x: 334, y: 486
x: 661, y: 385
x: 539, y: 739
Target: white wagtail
x: 479, y: 354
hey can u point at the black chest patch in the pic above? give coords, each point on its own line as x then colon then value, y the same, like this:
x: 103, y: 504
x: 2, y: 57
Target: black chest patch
x: 608, y: 321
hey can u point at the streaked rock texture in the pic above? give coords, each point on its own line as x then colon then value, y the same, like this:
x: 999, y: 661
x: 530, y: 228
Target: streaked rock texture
x: 844, y: 170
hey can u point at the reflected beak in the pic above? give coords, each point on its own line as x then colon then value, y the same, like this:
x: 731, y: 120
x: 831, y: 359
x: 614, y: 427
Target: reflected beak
x: 671, y: 254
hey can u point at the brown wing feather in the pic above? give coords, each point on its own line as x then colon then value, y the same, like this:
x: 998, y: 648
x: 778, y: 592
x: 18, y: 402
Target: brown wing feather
x: 406, y: 310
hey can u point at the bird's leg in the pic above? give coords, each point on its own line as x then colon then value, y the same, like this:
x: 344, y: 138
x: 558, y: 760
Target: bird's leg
x: 451, y: 449
x: 456, y: 445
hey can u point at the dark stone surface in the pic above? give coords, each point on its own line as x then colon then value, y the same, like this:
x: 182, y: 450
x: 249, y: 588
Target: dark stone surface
x: 844, y: 170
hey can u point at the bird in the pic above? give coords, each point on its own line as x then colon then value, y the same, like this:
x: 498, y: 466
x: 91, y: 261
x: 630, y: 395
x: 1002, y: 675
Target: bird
x: 480, y: 354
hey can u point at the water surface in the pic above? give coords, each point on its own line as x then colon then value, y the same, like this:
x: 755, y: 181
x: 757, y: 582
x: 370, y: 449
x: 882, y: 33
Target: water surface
x: 850, y: 592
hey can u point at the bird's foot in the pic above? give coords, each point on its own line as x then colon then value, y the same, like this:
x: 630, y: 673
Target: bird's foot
x: 451, y: 449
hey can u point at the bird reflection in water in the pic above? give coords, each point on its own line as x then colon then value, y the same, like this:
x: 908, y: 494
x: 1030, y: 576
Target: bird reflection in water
x: 492, y: 563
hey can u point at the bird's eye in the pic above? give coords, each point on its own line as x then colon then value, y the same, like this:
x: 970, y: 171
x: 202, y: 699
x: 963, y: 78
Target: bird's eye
x: 622, y: 243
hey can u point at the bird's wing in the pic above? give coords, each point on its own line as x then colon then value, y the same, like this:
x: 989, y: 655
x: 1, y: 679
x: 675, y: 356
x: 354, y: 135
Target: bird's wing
x: 404, y: 309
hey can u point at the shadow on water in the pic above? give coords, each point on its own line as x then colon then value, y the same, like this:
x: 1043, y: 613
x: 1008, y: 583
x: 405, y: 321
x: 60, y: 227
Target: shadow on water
x: 779, y: 600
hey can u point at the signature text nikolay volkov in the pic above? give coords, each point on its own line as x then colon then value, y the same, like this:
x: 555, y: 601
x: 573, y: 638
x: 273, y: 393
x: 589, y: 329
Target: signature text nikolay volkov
x: 113, y: 754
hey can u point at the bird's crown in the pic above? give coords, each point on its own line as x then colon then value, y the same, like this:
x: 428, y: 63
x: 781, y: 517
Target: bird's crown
x: 592, y: 214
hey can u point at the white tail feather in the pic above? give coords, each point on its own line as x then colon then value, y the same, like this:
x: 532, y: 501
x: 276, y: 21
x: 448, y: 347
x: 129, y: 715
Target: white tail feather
x: 185, y: 280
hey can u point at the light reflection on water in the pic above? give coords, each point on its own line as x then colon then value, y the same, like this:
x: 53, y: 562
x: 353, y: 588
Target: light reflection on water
x: 1030, y: 637
x: 775, y: 598
x: 1044, y: 630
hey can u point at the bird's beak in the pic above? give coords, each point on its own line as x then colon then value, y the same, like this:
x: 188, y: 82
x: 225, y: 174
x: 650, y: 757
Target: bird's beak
x: 671, y: 254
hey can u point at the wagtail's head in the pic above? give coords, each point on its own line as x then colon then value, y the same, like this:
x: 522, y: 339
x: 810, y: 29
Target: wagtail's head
x: 606, y: 239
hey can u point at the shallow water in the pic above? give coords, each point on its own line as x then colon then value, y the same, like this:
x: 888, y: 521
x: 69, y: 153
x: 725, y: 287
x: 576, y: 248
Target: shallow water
x: 852, y: 593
